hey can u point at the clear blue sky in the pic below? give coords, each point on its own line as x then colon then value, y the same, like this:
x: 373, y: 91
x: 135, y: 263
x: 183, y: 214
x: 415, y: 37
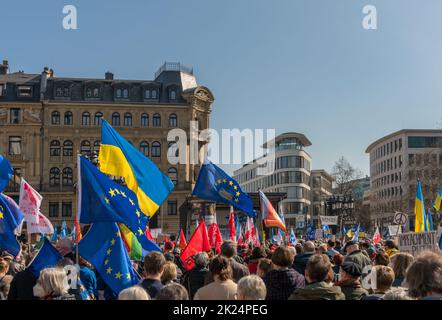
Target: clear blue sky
x: 305, y: 66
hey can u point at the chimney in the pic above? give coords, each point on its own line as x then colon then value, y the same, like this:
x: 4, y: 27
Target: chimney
x: 4, y: 67
x: 109, y: 76
x: 44, y: 81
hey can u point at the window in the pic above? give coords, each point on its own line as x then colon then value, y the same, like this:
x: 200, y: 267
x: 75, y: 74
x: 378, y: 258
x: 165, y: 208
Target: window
x: 68, y: 118
x: 156, y: 120
x: 68, y: 147
x: 86, y: 119
x: 147, y: 94
x: 156, y: 149
x: 172, y: 207
x: 2, y: 90
x: 15, y: 116
x: 55, y: 149
x: 55, y: 118
x: 62, y: 92
x: 125, y: 93
x: 128, y: 119
x: 67, y: 176
x: 119, y: 93
x: 173, y: 175
x: 54, y: 177
x: 66, y: 209
x: 85, y: 148
x: 154, y: 94
x: 115, y: 119
x: 97, y: 118
x: 93, y: 92
x: 53, y: 209
x: 144, y: 148
x: 96, y: 93
x: 144, y: 120
x: 173, y: 120
x: 96, y: 147
x: 172, y: 94
x: 14, y: 145
x: 24, y: 91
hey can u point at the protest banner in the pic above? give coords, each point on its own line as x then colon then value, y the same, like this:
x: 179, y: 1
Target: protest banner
x: 318, y: 234
x: 329, y: 220
x: 393, y: 230
x: 415, y: 243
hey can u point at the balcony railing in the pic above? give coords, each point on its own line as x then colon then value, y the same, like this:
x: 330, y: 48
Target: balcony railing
x: 173, y: 66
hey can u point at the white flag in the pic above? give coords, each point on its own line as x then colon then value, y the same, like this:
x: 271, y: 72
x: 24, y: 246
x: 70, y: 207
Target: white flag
x: 43, y: 226
x: 29, y: 203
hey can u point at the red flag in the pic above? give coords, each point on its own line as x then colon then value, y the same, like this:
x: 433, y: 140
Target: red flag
x: 232, y: 225
x: 250, y: 231
x: 377, y: 236
x: 215, y: 238
x: 182, y: 240
x: 199, y: 242
x: 269, y: 214
x: 148, y: 234
x: 78, y: 235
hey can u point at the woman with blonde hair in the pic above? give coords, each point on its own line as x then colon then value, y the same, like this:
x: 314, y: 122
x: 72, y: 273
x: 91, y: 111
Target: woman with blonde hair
x: 400, y: 263
x: 170, y: 273
x: 52, y: 284
x: 134, y: 293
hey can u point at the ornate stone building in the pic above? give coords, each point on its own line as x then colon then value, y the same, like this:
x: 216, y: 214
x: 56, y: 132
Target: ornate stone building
x: 46, y: 120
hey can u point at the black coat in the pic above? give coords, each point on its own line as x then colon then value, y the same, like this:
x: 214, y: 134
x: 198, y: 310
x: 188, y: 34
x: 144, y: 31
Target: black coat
x: 22, y: 286
x: 195, y: 279
x: 300, y: 262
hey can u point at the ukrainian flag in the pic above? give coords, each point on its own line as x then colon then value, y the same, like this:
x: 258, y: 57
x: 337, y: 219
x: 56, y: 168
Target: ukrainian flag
x: 119, y: 158
x: 420, y: 219
x: 438, y: 200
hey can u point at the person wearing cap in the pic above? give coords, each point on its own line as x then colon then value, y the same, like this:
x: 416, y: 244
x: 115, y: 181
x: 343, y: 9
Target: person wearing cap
x: 354, y: 254
x: 350, y: 281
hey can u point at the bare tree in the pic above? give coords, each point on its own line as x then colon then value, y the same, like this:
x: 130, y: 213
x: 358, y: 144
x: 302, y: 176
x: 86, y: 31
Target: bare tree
x: 345, y: 176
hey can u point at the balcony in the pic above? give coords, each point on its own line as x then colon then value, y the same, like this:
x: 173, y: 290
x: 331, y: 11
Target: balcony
x: 173, y: 66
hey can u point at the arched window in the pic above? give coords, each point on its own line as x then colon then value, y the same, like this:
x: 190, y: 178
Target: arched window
x: 147, y: 94
x: 125, y: 93
x: 144, y: 148
x: 68, y: 148
x: 96, y: 93
x: 54, y: 177
x: 154, y: 94
x: 97, y: 118
x: 88, y: 93
x: 86, y: 119
x: 85, y: 148
x: 118, y: 93
x: 55, y: 118
x: 54, y: 148
x: 144, y: 120
x: 128, y: 119
x: 173, y: 120
x: 156, y: 120
x: 68, y: 118
x: 172, y: 94
x: 173, y: 175
x: 115, y: 119
x: 67, y: 176
x: 96, y: 146
x: 156, y: 149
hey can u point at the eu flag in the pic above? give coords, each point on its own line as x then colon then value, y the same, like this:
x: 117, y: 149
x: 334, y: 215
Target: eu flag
x: 103, y: 200
x: 10, y: 219
x: 103, y: 247
x: 47, y: 257
x: 5, y: 172
x: 216, y: 185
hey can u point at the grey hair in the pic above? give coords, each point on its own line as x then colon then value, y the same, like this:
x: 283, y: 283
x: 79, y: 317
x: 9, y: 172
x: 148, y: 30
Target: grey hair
x: 201, y: 259
x: 133, y: 293
x: 54, y: 281
x: 399, y: 293
x: 252, y: 288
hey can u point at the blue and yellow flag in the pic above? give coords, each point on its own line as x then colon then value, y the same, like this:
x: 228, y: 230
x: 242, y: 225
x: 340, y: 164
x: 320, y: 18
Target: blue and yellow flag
x: 438, y: 200
x: 103, y: 247
x: 419, y: 210
x: 119, y: 158
x: 47, y: 257
x: 6, y: 172
x: 10, y: 220
x: 103, y: 200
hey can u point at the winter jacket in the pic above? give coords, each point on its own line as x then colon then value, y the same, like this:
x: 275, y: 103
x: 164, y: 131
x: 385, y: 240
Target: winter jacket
x: 239, y: 270
x: 22, y: 286
x: 352, y: 289
x: 194, y: 279
x: 217, y: 290
x: 282, y: 283
x: 318, y: 291
x: 300, y: 262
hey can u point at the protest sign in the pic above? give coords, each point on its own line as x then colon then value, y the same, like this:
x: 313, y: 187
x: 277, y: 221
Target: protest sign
x: 414, y: 243
x: 393, y: 230
x: 329, y: 220
x: 318, y: 234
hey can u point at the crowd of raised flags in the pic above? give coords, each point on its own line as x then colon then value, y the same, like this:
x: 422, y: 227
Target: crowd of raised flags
x: 118, y: 215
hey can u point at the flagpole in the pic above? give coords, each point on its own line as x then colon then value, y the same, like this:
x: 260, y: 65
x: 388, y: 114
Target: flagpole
x: 78, y: 206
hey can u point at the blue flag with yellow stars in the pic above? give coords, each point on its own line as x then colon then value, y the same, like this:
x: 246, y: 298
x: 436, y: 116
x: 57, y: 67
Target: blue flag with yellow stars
x: 103, y: 247
x: 216, y: 185
x: 103, y: 200
x: 6, y: 172
x: 47, y: 257
x: 10, y: 219
x: 84, y: 293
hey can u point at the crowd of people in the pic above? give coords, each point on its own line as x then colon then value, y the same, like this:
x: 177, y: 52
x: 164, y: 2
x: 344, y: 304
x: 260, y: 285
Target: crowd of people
x: 307, y: 270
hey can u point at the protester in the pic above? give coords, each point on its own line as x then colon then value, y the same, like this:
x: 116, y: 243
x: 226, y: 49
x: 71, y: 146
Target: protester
x: 223, y: 287
x: 15, y: 264
x: 354, y: 254
x: 350, y: 281
x: 153, y: 269
x: 331, y: 252
x: 228, y: 250
x: 170, y: 273
x: 391, y: 248
x: 382, y: 259
x: 5, y: 279
x: 194, y: 279
x: 282, y: 280
x: 400, y: 262
x: 384, y: 280
x: 399, y: 293
x: 424, y: 276
x: 338, y: 259
x: 173, y: 291
x: 88, y: 278
x: 257, y: 254
x: 133, y: 293
x: 263, y: 267
x: 22, y: 286
x: 251, y: 288
x: 300, y: 261
x: 52, y: 284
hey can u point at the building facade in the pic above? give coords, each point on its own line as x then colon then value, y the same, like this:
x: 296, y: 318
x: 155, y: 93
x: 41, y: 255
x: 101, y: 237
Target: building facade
x: 291, y: 175
x: 45, y: 121
x: 321, y: 189
x: 397, y: 161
